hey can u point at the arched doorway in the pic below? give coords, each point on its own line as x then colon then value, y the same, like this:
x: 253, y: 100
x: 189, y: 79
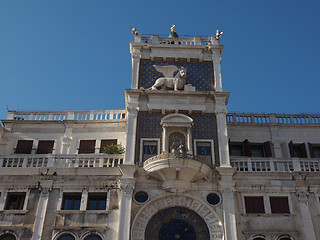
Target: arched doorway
x: 177, y: 223
x: 169, y: 213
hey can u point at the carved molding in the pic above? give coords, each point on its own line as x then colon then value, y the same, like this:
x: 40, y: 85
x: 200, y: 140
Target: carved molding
x: 127, y: 188
x: 66, y: 140
x: 302, y: 195
x: 150, y: 209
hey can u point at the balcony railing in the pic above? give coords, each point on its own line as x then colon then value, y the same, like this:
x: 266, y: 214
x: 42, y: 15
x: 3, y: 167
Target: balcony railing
x: 63, y: 161
x: 275, y: 165
x: 176, y: 155
x: 156, y: 39
x: 67, y: 115
x: 268, y: 119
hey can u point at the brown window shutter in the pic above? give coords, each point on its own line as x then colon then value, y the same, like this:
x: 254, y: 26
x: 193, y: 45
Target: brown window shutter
x: 311, y: 150
x: 87, y: 146
x: 254, y: 204
x: 247, y: 148
x: 267, y: 148
x: 291, y: 148
x: 45, y: 147
x: 303, y: 150
x: 107, y: 142
x: 24, y: 146
x: 279, y: 205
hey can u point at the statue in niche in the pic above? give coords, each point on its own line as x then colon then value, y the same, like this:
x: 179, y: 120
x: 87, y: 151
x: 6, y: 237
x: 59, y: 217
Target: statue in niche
x: 176, y: 141
x: 169, y: 80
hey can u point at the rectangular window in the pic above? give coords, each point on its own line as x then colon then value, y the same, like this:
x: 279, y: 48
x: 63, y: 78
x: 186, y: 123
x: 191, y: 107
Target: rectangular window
x: 150, y: 149
x: 45, y: 147
x: 279, y: 205
x: 314, y: 150
x: 249, y: 149
x: 236, y: 149
x: 204, y: 148
x: 107, y: 142
x: 297, y: 150
x: 71, y: 201
x: 15, y: 201
x: 97, y: 201
x: 257, y: 150
x: 24, y: 146
x: 87, y: 146
x: 254, y: 204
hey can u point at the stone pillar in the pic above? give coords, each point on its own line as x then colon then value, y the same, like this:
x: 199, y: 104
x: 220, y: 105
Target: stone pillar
x: 223, y: 145
x: 136, y: 56
x: 126, y: 187
x: 307, y: 225
x: 164, y: 140
x: 216, y: 59
x: 189, y: 141
x: 131, y: 135
x: 41, y: 213
x: 227, y: 188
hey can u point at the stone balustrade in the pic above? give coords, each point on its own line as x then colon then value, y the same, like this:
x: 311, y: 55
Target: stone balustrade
x: 61, y: 161
x: 268, y: 119
x: 176, y: 155
x: 67, y: 115
x: 275, y: 165
x: 156, y: 39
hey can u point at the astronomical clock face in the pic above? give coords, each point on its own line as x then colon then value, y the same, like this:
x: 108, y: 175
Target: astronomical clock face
x: 176, y: 223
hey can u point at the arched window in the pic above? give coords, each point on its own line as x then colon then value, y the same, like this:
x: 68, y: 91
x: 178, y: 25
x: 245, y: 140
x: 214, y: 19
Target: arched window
x: 259, y: 238
x: 284, y: 238
x: 66, y: 237
x: 7, y: 236
x: 93, y: 237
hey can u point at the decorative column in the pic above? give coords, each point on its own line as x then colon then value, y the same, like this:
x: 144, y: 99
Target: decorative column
x: 164, y: 140
x: 41, y: 213
x: 216, y: 59
x: 126, y: 188
x: 131, y: 135
x: 227, y: 188
x: 307, y: 225
x: 223, y: 147
x: 136, y: 56
x: 189, y: 140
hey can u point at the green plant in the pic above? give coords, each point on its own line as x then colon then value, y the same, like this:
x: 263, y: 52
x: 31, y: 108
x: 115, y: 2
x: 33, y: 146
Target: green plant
x: 113, y: 149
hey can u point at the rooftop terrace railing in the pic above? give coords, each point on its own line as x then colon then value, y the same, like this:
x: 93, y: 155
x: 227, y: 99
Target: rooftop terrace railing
x: 67, y: 115
x: 62, y: 161
x: 268, y: 119
x: 275, y: 165
x: 156, y: 39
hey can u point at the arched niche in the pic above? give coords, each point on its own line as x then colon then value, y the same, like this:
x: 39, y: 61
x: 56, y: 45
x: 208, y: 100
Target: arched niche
x: 177, y: 126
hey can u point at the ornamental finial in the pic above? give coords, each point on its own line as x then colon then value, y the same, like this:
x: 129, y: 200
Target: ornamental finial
x: 172, y: 27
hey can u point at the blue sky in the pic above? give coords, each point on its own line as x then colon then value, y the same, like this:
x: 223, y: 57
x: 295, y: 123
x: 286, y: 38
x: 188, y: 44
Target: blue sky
x: 74, y: 54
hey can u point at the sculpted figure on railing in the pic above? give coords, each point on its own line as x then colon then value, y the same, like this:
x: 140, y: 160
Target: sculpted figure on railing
x: 169, y: 80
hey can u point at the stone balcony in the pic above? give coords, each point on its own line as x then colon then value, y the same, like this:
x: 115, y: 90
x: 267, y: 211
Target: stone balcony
x: 244, y: 164
x: 176, y: 171
x: 61, y: 160
x: 67, y: 115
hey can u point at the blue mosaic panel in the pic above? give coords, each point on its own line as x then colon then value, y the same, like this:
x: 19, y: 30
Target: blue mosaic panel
x: 149, y: 126
x: 203, y: 127
x: 199, y: 75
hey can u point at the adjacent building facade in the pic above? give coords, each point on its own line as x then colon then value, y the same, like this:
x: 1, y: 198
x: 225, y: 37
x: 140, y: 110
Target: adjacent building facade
x: 190, y: 169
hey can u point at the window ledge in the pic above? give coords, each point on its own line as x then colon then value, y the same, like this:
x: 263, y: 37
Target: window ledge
x: 267, y: 215
x: 17, y: 212
x: 81, y: 211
